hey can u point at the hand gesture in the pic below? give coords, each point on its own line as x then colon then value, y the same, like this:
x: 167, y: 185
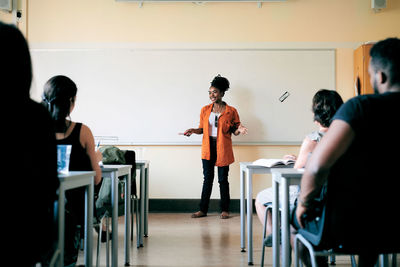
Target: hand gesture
x: 242, y: 130
x: 188, y: 132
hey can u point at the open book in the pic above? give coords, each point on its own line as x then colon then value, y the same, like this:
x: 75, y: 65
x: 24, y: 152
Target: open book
x: 273, y: 162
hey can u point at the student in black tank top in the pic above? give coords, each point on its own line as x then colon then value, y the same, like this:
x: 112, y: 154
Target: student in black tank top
x: 79, y: 159
x: 59, y: 97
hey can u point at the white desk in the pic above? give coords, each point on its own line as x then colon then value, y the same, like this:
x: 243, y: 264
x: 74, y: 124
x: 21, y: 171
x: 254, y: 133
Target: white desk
x: 113, y: 172
x: 143, y: 167
x: 246, y: 171
x: 284, y: 178
x: 69, y: 181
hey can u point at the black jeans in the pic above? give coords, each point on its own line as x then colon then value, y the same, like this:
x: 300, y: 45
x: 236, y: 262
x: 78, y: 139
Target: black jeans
x: 208, y: 172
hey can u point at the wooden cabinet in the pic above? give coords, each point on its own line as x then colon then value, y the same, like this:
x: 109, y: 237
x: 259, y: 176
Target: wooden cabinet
x: 362, y: 84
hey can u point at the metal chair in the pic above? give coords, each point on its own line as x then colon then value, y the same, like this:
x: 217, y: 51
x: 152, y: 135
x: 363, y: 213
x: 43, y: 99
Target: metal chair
x: 382, y: 261
x: 268, y: 206
x: 130, y: 158
x: 313, y: 253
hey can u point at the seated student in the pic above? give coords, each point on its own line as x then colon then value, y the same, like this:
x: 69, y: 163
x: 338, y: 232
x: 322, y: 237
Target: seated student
x: 325, y: 103
x: 59, y: 97
x: 355, y: 160
x: 29, y: 161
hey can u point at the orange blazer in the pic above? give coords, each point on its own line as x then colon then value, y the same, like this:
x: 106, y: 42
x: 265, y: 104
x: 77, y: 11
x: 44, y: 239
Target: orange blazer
x: 227, y: 123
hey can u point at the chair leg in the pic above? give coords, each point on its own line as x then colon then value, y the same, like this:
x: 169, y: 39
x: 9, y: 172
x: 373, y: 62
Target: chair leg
x: 137, y: 222
x: 132, y: 214
x: 309, y: 247
x: 263, y: 238
x: 108, y: 242
x: 264, y: 234
x: 353, y: 261
x: 333, y: 260
x: 135, y: 213
x: 99, y: 244
x: 296, y: 252
x: 384, y: 260
x: 262, y: 255
x: 54, y: 258
x: 105, y: 217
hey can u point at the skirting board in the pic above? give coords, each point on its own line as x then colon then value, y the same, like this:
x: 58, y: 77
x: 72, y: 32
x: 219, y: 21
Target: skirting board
x: 189, y: 205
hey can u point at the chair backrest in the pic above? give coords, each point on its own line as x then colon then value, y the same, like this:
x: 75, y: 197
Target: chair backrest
x: 130, y: 159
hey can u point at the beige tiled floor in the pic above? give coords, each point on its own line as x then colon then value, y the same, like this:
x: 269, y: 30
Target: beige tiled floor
x: 175, y: 239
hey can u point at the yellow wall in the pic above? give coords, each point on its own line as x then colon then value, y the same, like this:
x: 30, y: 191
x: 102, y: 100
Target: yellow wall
x: 176, y: 170
x: 6, y: 17
x: 291, y: 21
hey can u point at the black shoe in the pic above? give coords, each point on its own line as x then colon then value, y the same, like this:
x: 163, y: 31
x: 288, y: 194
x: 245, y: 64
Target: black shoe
x: 103, y: 234
x: 268, y: 241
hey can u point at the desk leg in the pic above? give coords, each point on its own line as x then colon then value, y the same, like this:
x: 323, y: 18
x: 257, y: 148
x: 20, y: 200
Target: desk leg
x: 285, y: 224
x: 249, y: 188
x: 142, y: 200
x: 275, y: 222
x: 61, y: 225
x: 384, y: 260
x: 242, y: 211
x: 89, y: 224
x: 146, y: 203
x: 127, y: 217
x: 114, y: 223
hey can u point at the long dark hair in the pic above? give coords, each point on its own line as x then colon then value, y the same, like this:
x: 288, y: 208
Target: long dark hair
x: 58, y: 95
x: 15, y: 66
x: 325, y: 103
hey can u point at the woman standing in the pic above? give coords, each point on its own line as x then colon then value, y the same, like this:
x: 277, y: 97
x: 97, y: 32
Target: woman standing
x: 218, y: 121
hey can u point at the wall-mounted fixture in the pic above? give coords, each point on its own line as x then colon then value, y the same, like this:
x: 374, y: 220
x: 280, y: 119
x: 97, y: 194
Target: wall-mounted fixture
x: 378, y: 5
x: 6, y: 5
x: 141, y: 2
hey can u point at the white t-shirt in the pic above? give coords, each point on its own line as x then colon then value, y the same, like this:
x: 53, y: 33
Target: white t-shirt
x: 212, y: 130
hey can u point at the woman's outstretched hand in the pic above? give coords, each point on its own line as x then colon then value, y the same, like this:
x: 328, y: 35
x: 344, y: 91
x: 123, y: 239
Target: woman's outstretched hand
x: 241, y: 130
x: 191, y: 131
x: 188, y: 132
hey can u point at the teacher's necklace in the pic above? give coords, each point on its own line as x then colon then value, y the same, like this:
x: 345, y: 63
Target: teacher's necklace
x: 220, y: 108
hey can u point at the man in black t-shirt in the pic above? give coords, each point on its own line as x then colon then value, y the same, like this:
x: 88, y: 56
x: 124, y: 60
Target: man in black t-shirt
x: 356, y: 162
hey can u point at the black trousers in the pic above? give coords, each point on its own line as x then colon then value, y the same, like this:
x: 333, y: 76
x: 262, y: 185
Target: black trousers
x: 208, y: 172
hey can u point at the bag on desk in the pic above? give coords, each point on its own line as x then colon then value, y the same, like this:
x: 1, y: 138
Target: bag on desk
x: 112, y: 155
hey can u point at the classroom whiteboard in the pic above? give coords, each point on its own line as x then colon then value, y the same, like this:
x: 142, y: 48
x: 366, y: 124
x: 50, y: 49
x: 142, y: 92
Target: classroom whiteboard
x: 148, y: 96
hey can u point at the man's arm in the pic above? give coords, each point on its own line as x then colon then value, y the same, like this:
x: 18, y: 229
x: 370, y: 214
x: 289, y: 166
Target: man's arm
x: 332, y: 146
